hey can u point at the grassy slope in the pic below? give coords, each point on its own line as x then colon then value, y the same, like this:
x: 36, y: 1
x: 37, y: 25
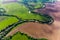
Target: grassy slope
x: 6, y: 22
x: 18, y: 36
x: 19, y: 10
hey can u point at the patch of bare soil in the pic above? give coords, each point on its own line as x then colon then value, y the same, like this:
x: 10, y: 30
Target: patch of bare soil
x: 38, y: 30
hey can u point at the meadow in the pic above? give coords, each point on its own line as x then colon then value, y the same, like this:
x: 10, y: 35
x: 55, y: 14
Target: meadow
x: 20, y: 11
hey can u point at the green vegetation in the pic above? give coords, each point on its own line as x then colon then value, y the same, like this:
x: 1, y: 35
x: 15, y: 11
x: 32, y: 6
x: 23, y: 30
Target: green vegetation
x: 20, y: 11
x: 35, y: 5
x: 6, y: 22
x: 18, y: 36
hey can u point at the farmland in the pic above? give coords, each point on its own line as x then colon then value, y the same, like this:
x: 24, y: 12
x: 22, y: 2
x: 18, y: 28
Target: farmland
x: 20, y: 11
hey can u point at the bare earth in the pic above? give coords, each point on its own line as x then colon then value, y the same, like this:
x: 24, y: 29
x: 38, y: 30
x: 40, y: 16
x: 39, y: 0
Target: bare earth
x: 37, y: 30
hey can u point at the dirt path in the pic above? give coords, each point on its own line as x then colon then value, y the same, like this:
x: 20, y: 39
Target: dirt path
x: 37, y: 30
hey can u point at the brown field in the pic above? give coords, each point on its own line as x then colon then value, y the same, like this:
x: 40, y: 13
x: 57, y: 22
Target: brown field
x: 37, y: 30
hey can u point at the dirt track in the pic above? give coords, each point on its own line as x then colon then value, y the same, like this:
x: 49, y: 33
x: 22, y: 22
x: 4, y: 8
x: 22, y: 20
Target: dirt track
x: 36, y: 30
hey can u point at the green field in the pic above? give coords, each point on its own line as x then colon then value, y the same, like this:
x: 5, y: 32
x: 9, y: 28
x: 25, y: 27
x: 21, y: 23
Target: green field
x: 18, y: 36
x: 20, y: 11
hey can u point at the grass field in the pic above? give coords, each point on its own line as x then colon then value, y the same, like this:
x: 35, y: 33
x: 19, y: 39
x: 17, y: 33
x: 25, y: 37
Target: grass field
x: 18, y: 36
x: 6, y: 22
x: 20, y: 11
